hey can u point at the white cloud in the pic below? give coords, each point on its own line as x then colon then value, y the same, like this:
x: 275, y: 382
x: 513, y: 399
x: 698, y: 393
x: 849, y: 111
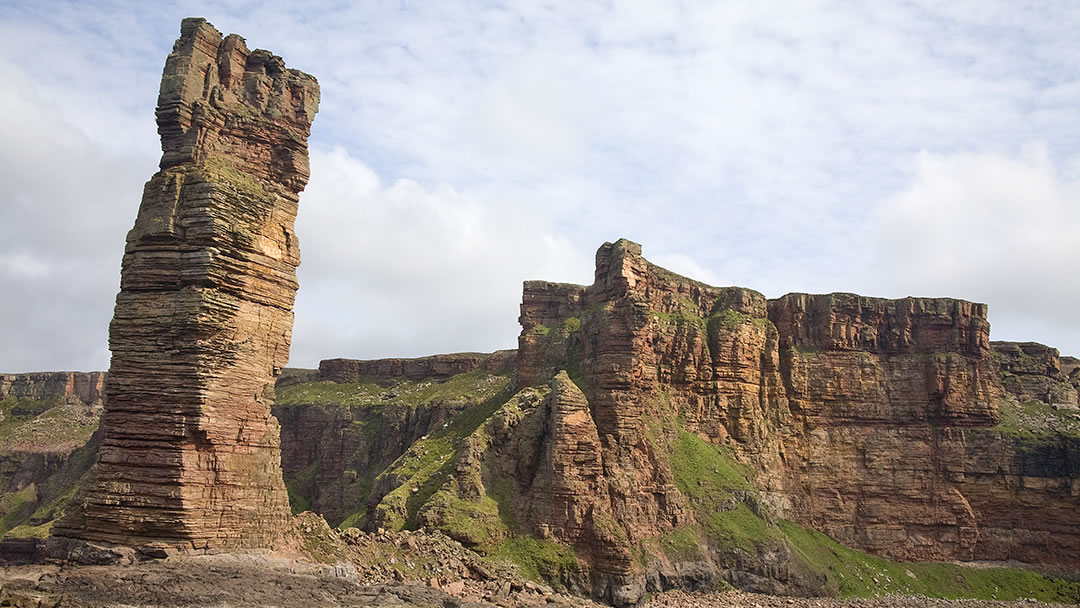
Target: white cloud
x: 1000, y: 229
x: 408, y: 270
x: 686, y: 266
x: 67, y: 204
x: 24, y: 266
x: 481, y: 144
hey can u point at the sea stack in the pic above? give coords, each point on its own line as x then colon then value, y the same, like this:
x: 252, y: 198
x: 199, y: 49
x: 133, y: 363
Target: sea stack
x: 191, y: 454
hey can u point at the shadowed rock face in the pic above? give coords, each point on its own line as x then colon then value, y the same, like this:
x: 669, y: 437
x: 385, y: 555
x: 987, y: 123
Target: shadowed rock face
x: 203, y: 321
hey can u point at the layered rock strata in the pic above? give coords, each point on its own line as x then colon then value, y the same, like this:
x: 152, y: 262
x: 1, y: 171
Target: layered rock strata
x: 1035, y: 372
x: 87, y: 388
x: 203, y: 320
x: 876, y: 421
x: 435, y: 367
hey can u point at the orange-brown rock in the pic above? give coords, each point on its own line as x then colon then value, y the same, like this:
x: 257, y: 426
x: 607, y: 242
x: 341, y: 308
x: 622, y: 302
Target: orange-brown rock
x: 86, y: 388
x: 870, y: 419
x: 203, y: 319
x: 437, y: 367
x: 1035, y: 372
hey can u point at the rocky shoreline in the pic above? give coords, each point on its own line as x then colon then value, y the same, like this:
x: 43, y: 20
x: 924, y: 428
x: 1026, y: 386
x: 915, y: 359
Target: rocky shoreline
x: 740, y: 599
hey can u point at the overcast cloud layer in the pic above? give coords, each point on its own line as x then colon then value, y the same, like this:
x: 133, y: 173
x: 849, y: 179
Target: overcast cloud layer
x: 899, y: 148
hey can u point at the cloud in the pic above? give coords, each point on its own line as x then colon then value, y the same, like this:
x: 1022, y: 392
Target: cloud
x: 1000, y: 229
x: 67, y: 205
x: 686, y: 266
x: 743, y: 143
x: 404, y: 269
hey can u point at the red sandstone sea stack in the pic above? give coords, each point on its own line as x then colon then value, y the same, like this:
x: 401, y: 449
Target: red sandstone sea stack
x: 191, y: 454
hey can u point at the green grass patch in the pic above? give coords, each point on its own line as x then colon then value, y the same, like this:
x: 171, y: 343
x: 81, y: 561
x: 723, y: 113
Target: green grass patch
x: 29, y: 531
x: 54, y: 507
x: 330, y: 393
x: 539, y: 560
x: 501, y: 490
x: 741, y: 528
x: 679, y: 317
x: 27, y: 408
x: 720, y: 494
x: 705, y: 473
x: 851, y: 573
x: 728, y: 318
x: 427, y: 464
x: 297, y: 503
x: 355, y: 519
x: 683, y: 544
x: 1036, y: 421
x: 477, y: 524
x: 40, y: 425
x: 16, y: 507
x: 299, y: 485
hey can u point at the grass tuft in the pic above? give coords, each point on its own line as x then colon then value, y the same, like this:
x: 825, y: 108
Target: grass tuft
x: 539, y: 560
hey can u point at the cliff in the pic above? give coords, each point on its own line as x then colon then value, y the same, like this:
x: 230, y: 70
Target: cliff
x: 437, y: 367
x: 345, y: 424
x: 47, y: 421
x: 191, y: 454
x: 1035, y: 372
x: 87, y: 388
x: 653, y: 432
x: 665, y: 429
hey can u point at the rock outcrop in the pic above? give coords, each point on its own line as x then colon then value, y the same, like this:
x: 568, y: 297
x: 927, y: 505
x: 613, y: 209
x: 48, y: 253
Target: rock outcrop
x: 345, y: 424
x: 86, y: 388
x: 877, y: 421
x: 203, y: 320
x: 1035, y: 372
x: 435, y: 367
x: 663, y: 430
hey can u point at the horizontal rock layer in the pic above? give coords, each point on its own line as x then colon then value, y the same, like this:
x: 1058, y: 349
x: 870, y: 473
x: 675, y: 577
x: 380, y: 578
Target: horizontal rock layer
x: 435, y: 367
x: 87, y: 388
x: 1035, y: 372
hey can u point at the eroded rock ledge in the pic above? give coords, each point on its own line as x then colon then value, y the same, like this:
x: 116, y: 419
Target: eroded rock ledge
x: 436, y: 367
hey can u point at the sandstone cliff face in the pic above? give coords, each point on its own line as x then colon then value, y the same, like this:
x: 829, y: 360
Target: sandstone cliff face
x: 877, y: 421
x: 1035, y: 372
x: 204, y: 315
x: 87, y: 388
x: 330, y: 454
x: 436, y: 367
x: 350, y: 421
x: 46, y: 421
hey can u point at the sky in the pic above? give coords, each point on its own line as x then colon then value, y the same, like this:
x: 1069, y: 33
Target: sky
x: 887, y: 148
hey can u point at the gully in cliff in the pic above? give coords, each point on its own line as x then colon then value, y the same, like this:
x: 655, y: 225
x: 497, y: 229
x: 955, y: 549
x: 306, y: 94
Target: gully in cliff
x: 191, y: 453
